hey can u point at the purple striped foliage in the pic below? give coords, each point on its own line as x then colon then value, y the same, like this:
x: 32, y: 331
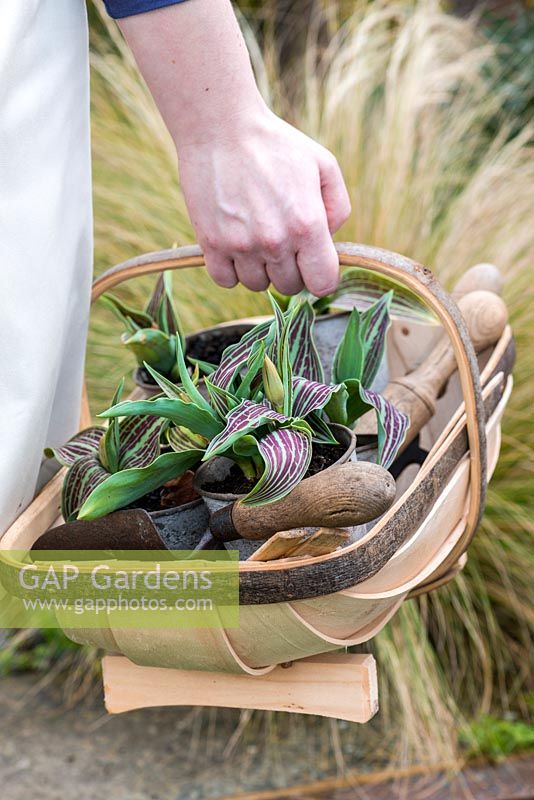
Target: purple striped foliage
x: 360, y: 288
x: 181, y: 439
x: 392, y: 424
x: 139, y: 441
x: 236, y: 356
x: 83, y: 477
x: 374, y: 325
x: 245, y: 418
x: 303, y: 354
x: 286, y: 454
x: 85, y: 443
x: 311, y: 396
x: 155, y: 298
x: 166, y: 316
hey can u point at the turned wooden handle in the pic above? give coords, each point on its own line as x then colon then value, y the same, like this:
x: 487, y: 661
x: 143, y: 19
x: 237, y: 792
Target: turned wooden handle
x: 339, y: 497
x: 481, y: 276
x: 416, y: 393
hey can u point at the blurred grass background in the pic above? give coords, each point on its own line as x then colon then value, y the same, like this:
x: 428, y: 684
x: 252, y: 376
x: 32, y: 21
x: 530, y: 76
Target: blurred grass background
x: 430, y: 116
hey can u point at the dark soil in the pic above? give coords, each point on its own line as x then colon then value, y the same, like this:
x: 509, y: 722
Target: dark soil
x: 174, y: 493
x: 208, y: 346
x: 323, y: 456
x: 211, y: 345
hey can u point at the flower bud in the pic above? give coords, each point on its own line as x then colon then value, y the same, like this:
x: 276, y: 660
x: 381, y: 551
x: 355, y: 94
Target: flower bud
x: 272, y: 383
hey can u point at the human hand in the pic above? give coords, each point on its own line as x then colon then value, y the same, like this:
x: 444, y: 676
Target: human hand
x: 264, y: 200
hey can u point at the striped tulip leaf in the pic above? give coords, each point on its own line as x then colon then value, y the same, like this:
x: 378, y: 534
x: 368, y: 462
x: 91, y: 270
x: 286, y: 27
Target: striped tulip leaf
x: 303, y: 353
x: 374, y: 324
x: 221, y: 399
x: 245, y: 418
x: 181, y: 439
x: 236, y: 356
x: 311, y: 396
x: 166, y: 316
x: 178, y: 411
x: 286, y: 454
x: 321, y: 431
x: 254, y: 367
x: 84, y: 475
x: 109, y: 447
x: 170, y: 389
x: 360, y: 288
x: 279, y: 326
x: 139, y: 441
x: 85, y: 443
x: 124, y: 487
x: 392, y: 424
x: 349, y: 356
x: 156, y: 297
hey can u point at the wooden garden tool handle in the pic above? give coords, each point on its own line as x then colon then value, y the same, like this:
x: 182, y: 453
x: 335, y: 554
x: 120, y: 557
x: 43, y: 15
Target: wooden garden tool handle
x: 481, y: 276
x: 339, y: 497
x: 416, y: 393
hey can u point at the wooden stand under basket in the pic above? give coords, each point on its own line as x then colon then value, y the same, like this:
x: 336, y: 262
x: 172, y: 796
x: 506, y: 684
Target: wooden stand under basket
x: 416, y: 548
x: 337, y: 685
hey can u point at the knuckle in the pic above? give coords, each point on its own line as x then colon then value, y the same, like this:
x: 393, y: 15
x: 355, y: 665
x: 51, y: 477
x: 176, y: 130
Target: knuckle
x: 238, y: 243
x: 272, y: 242
x: 304, y: 226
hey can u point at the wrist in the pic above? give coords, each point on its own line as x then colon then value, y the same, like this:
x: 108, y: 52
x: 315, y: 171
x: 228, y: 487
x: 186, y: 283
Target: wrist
x: 219, y: 120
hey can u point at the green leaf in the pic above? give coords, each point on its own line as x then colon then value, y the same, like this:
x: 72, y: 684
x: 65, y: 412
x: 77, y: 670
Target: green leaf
x: 167, y: 317
x: 254, y: 365
x: 172, y: 390
x: 222, y: 400
x: 336, y: 408
x: 126, y: 313
x: 204, y: 366
x: 349, y: 355
x: 181, y: 413
x: 154, y: 347
x: 125, y: 487
x: 188, y: 385
x: 109, y: 447
x: 180, y: 439
x: 80, y: 481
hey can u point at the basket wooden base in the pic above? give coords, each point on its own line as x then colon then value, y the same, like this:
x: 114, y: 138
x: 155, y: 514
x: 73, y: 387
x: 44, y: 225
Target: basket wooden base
x: 337, y: 685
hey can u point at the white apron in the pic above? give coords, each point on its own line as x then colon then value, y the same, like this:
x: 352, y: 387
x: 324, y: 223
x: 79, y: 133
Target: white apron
x: 45, y: 235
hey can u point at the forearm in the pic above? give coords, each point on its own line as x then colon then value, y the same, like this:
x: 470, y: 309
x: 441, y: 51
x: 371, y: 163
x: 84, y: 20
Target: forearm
x: 195, y: 62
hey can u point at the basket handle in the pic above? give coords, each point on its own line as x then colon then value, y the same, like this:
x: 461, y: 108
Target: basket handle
x: 413, y: 276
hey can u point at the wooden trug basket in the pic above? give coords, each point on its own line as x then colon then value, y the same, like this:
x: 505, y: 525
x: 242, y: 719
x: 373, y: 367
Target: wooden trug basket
x: 297, y: 615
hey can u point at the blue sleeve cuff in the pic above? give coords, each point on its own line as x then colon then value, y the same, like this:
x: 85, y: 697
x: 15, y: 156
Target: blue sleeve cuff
x: 118, y: 9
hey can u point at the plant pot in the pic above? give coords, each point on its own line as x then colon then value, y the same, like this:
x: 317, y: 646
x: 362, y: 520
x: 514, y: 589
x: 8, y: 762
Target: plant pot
x: 328, y: 331
x: 217, y: 470
x: 207, y: 344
